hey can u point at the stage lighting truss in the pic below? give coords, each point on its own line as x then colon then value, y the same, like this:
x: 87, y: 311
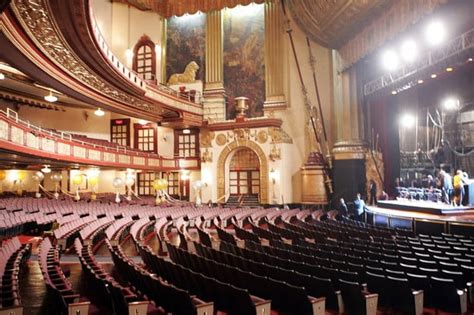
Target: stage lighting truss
x: 407, y: 73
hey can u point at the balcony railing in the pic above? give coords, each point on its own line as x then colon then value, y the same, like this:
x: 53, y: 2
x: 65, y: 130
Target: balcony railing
x: 22, y: 136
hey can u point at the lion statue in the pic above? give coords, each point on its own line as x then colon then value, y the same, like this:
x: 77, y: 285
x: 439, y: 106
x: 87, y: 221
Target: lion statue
x: 188, y: 76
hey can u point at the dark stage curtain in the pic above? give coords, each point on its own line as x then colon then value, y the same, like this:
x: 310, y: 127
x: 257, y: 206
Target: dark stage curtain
x: 383, y: 113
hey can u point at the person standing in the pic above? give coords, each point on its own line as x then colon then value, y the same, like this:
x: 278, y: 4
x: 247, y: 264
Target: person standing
x: 373, y: 193
x: 458, y: 186
x: 359, y: 207
x: 446, y: 186
x: 342, y: 208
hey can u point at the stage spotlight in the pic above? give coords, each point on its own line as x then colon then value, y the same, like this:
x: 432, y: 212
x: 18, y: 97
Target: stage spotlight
x: 407, y: 120
x: 390, y: 60
x: 394, y: 92
x: 434, y: 75
x: 451, y: 103
x: 409, y: 50
x: 420, y: 81
x: 449, y: 69
x: 435, y: 33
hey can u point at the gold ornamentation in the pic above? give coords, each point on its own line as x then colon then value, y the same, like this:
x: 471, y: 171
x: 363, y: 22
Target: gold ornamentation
x: 188, y: 76
x: 206, y: 157
x: 206, y: 138
x: 278, y: 135
x: 275, y: 153
x: 262, y: 136
x: 242, y: 134
x: 221, y: 139
x: 241, y: 105
x: 37, y: 22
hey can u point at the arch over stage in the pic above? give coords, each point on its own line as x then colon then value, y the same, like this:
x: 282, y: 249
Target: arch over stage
x: 226, y: 153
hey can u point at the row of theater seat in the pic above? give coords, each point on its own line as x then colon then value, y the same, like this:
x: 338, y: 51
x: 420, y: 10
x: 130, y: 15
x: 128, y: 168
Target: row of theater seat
x: 66, y: 300
x: 13, y: 256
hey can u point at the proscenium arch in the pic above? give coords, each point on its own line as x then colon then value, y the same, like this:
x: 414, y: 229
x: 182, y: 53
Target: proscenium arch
x: 236, y: 145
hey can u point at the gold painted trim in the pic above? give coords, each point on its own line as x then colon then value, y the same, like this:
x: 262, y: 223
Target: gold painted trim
x: 164, y: 44
x: 231, y: 147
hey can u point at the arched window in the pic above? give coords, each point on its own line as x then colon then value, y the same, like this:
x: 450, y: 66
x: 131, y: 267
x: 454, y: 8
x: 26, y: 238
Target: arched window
x: 144, y: 58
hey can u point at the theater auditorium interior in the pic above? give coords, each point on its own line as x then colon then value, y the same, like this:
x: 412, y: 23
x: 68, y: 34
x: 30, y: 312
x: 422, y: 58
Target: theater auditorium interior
x: 265, y: 157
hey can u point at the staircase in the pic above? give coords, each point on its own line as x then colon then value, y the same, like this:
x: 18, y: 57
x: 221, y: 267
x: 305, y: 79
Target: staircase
x: 243, y: 201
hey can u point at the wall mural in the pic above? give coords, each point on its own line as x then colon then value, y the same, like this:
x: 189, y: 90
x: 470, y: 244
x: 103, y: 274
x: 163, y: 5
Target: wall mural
x: 244, y: 72
x: 185, y: 42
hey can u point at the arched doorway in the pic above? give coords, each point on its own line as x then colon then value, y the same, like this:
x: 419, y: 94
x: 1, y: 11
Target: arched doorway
x: 223, y: 167
x: 244, y: 173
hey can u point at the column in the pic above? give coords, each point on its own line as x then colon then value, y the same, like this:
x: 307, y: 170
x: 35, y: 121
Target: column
x: 349, y: 150
x: 214, y: 92
x: 274, y: 94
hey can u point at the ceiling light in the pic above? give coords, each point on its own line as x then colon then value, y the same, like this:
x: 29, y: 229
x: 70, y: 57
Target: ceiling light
x: 407, y: 120
x: 142, y: 122
x: 469, y: 59
x: 186, y: 131
x: 390, y: 60
x: 434, y: 75
x: 46, y: 169
x: 435, y: 33
x: 99, y: 112
x: 409, y: 50
x: 50, y: 97
x: 2, y: 76
x: 394, y: 92
x: 420, y: 81
x: 449, y: 69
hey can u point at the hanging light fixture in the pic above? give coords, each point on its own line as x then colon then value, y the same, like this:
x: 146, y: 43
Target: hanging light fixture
x: 46, y: 169
x: 50, y: 97
x: 99, y: 112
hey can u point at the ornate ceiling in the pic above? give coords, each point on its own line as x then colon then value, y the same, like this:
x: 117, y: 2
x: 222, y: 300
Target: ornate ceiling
x: 333, y: 22
x: 169, y: 8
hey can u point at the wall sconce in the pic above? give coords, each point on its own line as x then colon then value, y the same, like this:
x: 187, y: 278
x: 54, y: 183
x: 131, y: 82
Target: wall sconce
x: 184, y: 174
x: 274, y: 175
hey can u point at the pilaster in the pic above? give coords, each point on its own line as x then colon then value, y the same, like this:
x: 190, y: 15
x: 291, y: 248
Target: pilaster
x: 274, y: 90
x: 214, y: 92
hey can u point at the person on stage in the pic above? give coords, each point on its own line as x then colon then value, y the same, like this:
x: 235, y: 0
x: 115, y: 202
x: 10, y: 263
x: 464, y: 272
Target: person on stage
x: 446, y: 186
x: 359, y: 207
x: 458, y: 185
x: 373, y: 193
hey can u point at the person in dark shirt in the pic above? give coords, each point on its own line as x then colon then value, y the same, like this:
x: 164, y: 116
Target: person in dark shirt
x: 342, y: 208
x: 373, y: 193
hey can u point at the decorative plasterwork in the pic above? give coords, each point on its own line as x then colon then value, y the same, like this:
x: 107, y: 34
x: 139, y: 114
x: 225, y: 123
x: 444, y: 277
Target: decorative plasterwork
x: 35, y: 18
x: 332, y: 22
x: 169, y: 8
x: 263, y: 167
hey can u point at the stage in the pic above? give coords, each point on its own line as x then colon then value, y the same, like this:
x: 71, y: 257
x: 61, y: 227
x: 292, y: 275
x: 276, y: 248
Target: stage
x: 422, y: 217
x: 425, y: 207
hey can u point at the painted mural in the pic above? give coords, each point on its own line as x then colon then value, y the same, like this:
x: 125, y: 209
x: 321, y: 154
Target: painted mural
x: 186, y: 42
x: 244, y: 72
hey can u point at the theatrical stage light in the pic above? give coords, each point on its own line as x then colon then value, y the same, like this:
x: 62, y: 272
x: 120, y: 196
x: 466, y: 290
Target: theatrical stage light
x: 434, y: 75
x: 394, y: 92
x: 420, y: 81
x: 449, y: 69
x: 435, y: 33
x: 409, y: 51
x: 390, y: 60
x: 451, y: 103
x: 407, y: 120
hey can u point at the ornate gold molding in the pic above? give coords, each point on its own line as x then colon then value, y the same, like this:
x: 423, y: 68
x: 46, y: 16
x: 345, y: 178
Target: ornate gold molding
x: 221, y: 176
x: 348, y: 150
x: 35, y: 18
